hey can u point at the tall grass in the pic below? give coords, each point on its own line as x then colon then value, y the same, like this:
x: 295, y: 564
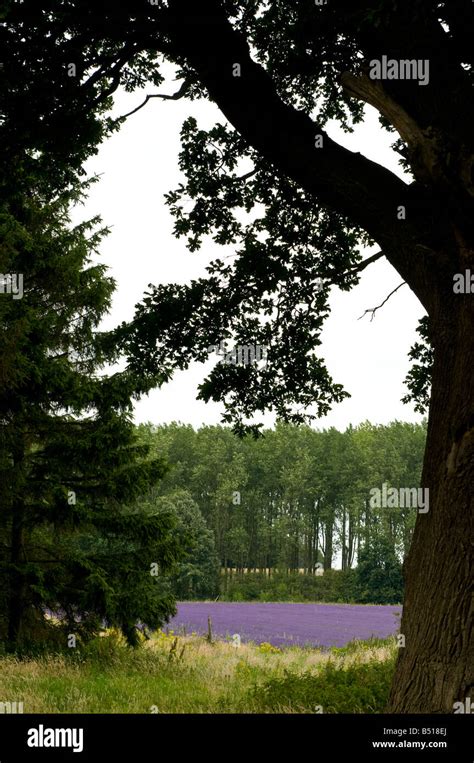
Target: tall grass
x: 170, y: 674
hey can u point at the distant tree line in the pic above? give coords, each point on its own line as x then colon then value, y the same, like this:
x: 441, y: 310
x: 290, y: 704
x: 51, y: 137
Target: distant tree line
x: 297, y: 499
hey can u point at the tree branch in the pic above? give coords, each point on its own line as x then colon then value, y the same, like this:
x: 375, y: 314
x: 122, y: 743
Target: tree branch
x: 248, y: 175
x: 174, y: 97
x: 423, y: 148
x: 364, y: 264
x: 373, y: 310
x: 114, y: 72
x: 366, y: 193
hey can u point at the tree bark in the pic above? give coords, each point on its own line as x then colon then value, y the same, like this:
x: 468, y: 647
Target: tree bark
x: 17, y: 581
x: 436, y: 667
x: 328, y: 545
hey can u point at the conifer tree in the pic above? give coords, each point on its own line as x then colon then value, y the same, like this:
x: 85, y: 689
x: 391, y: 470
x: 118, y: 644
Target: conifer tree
x: 71, y: 542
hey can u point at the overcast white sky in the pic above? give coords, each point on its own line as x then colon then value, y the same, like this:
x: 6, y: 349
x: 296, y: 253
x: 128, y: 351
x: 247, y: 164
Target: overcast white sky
x: 138, y: 166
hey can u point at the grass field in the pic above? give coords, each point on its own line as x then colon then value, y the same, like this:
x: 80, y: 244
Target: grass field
x: 169, y: 674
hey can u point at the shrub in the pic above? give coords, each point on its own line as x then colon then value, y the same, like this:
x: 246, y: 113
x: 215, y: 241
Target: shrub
x: 266, y: 648
x: 360, y: 688
x: 378, y: 576
x: 333, y: 586
x: 377, y: 580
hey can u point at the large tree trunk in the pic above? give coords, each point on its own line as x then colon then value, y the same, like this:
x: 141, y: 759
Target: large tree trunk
x: 436, y: 667
x: 17, y: 581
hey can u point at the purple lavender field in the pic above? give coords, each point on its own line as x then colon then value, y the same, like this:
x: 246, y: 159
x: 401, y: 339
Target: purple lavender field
x: 316, y: 625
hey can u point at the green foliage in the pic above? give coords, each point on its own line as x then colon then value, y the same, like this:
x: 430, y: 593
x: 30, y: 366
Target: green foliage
x: 105, y: 649
x: 52, y: 120
x: 418, y: 379
x: 105, y: 676
x: 283, y: 256
x: 292, y: 499
x: 359, y: 648
x: 196, y: 575
x: 359, y: 688
x: 335, y: 586
x: 266, y: 648
x: 379, y: 578
x: 70, y: 460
